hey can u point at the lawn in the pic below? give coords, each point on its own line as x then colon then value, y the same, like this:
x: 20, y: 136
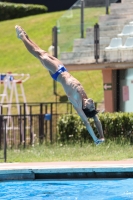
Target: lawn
x: 111, y: 150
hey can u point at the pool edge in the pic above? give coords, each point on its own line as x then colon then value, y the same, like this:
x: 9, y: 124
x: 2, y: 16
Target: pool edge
x: 34, y: 172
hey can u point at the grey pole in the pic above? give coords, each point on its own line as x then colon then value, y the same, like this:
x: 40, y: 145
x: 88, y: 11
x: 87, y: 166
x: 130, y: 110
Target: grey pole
x: 82, y: 18
x: 54, y: 43
x: 96, y: 42
x: 107, y: 7
x: 5, y: 146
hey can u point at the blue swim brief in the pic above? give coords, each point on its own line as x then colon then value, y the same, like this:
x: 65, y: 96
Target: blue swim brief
x: 60, y: 70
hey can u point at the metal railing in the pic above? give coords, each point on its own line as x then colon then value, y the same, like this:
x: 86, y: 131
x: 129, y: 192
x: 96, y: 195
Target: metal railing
x: 38, y: 126
x: 3, y: 139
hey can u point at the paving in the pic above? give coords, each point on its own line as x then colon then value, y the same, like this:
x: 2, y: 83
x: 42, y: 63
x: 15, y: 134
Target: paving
x: 69, y: 170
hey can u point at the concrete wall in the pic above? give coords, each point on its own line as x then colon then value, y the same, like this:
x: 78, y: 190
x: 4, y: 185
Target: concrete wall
x: 89, y: 3
x: 109, y: 79
x: 126, y: 90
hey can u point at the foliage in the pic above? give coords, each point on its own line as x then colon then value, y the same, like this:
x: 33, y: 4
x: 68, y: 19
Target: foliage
x: 117, y: 124
x: 13, y: 11
x: 71, y: 128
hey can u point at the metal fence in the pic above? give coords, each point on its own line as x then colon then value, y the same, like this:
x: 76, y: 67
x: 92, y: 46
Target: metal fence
x: 35, y: 123
x: 3, y: 143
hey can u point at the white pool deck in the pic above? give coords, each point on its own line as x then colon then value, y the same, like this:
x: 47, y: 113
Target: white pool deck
x: 83, y: 169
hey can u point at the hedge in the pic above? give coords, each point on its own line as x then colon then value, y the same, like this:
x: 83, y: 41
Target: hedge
x: 71, y: 128
x: 12, y: 10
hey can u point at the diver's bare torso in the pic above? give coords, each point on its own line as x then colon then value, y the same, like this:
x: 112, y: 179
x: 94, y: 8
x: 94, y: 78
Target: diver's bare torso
x: 73, y: 88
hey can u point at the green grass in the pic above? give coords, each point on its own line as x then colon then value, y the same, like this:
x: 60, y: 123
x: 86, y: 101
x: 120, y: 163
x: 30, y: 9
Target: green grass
x: 110, y: 150
x: 15, y: 58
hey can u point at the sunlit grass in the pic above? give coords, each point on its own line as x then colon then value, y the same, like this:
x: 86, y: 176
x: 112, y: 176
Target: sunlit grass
x: 110, y: 150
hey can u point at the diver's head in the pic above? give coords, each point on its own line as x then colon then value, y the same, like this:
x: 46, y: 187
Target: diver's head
x: 89, y: 103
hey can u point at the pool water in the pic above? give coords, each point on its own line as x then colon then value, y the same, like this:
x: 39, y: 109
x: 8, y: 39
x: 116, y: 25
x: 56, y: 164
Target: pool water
x: 88, y: 189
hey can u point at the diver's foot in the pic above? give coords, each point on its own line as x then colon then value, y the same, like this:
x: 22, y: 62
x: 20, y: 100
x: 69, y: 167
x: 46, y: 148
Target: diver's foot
x: 99, y: 141
x: 20, y: 32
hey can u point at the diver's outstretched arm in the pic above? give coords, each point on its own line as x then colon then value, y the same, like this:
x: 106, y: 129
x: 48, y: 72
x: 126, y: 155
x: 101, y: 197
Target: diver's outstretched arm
x: 98, y: 126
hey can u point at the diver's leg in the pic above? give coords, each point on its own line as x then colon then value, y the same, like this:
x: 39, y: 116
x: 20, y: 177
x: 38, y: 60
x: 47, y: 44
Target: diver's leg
x: 31, y: 46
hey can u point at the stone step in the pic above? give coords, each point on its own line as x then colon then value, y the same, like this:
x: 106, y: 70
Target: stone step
x: 116, y: 22
x: 106, y: 34
x: 126, y: 1
x: 80, y: 58
x: 103, y: 27
x: 86, y: 44
x: 122, y: 12
x: 89, y: 50
x: 104, y: 41
x: 116, y: 16
x: 90, y: 47
x: 82, y: 42
x: 110, y: 34
x: 83, y: 49
x: 121, y: 5
x: 113, y: 27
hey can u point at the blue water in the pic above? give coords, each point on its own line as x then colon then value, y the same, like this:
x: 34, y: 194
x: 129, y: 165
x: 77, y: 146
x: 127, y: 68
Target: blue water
x: 90, y: 189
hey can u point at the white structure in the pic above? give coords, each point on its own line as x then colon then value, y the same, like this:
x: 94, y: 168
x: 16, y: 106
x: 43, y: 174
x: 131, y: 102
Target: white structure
x: 13, y: 91
x: 112, y: 53
x: 126, y: 51
x: 51, y: 50
x: 115, y: 43
x: 10, y: 84
x: 127, y: 30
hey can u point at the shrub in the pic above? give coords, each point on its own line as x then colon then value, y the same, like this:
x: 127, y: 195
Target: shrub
x: 68, y: 128
x: 12, y: 10
x: 71, y: 127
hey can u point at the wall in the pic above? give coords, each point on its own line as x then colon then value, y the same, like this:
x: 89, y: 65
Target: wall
x: 98, y: 2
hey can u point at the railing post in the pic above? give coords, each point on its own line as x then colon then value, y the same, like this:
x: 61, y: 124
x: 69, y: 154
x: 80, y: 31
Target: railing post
x: 55, y: 41
x: 1, y: 128
x: 55, y: 53
x: 1, y: 110
x: 41, y: 122
x: 5, y: 153
x: 24, y: 125
x: 51, y: 111
x: 107, y: 7
x: 96, y: 42
x: 31, y: 131
x: 20, y: 123
x: 82, y: 18
x: 46, y: 123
